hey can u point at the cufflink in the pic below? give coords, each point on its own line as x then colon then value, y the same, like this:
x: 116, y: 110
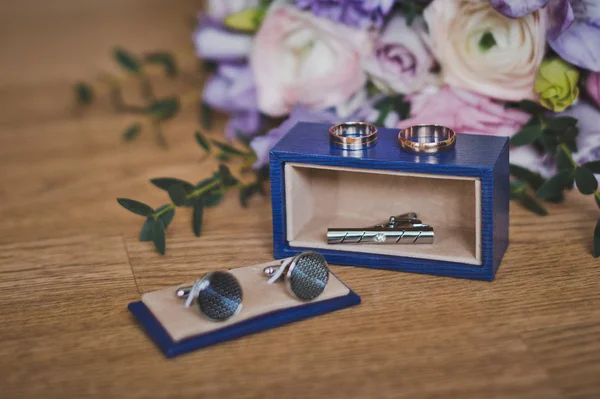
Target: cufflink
x: 305, y: 275
x: 218, y: 295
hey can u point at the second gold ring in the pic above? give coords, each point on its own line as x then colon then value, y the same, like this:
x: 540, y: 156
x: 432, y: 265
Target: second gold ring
x: 427, y: 139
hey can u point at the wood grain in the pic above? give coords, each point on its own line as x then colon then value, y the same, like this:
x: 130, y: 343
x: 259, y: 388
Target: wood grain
x: 70, y: 260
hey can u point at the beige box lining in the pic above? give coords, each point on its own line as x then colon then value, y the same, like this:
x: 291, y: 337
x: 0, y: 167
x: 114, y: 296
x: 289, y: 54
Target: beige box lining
x: 319, y: 197
x: 258, y: 298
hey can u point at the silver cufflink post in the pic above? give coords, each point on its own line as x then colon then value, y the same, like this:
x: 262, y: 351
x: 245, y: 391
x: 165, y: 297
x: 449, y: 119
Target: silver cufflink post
x: 401, y: 229
x: 218, y: 294
x: 305, y: 275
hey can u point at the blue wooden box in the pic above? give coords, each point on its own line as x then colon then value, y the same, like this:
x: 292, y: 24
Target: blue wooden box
x: 463, y: 194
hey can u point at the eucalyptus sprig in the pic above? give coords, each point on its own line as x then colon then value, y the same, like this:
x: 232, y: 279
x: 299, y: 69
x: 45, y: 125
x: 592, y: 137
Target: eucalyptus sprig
x: 206, y: 193
x: 556, y: 137
x: 154, y: 111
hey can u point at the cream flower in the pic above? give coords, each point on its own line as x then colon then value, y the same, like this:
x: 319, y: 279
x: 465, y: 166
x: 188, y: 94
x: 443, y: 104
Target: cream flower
x: 481, y: 50
x: 299, y: 58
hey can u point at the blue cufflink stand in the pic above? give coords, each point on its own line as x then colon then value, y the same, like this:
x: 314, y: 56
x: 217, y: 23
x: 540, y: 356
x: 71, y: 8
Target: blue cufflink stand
x: 251, y: 326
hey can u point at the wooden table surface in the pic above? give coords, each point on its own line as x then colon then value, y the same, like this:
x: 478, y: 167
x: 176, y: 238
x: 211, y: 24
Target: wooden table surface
x: 71, y: 261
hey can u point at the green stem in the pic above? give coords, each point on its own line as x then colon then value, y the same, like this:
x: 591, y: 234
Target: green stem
x: 569, y: 155
x: 146, y: 88
x: 193, y: 194
x: 597, y: 195
x: 165, y: 210
x: 542, y: 121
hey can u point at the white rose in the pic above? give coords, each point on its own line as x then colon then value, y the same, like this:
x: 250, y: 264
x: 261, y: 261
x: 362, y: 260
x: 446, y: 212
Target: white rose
x: 481, y: 50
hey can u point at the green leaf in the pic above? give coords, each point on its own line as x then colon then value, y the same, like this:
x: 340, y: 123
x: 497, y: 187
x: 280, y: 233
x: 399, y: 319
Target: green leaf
x: 226, y: 176
x: 597, y: 240
x: 597, y: 198
x: 570, y: 133
x: 146, y: 231
x: 528, y: 106
x: 555, y: 185
x: 527, y: 135
x: 556, y: 199
x: 390, y: 104
x: 137, y: 207
x: 213, y: 198
x: 487, y: 41
x: 247, y: 192
x: 549, y: 142
x: 223, y: 157
x: 585, y: 180
x: 206, y: 115
x: 164, y: 109
x: 568, y: 138
x: 158, y: 235
x: 127, y: 60
x: 83, y: 93
x: 518, y: 192
x: 177, y: 194
x: 164, y: 183
x: 410, y: 12
x: 403, y: 109
x: 165, y: 59
x: 535, y: 180
x: 563, y: 161
x: 532, y: 205
x: 197, y: 218
x: 561, y: 124
x: 226, y: 148
x: 132, y: 132
x: 202, y: 141
x: 166, y: 217
x: 263, y: 174
x: 517, y: 187
x: 594, y: 166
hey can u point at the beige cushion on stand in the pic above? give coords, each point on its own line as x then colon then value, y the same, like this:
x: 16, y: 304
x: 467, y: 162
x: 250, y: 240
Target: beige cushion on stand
x: 259, y: 298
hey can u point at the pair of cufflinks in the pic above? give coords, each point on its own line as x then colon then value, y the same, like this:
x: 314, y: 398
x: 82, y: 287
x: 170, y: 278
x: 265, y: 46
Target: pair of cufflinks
x: 219, y: 295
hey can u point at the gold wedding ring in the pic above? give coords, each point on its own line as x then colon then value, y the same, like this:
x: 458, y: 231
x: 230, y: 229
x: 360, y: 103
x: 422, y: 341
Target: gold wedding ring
x: 353, y: 135
x: 427, y: 139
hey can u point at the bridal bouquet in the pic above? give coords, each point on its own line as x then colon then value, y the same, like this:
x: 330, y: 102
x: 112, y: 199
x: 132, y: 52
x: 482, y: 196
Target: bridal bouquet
x: 529, y: 69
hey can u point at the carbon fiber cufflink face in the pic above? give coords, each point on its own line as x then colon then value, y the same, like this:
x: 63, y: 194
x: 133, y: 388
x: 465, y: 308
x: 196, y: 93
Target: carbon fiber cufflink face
x: 218, y: 295
x: 306, y: 275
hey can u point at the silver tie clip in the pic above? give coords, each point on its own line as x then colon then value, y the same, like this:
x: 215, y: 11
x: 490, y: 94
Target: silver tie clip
x: 401, y: 229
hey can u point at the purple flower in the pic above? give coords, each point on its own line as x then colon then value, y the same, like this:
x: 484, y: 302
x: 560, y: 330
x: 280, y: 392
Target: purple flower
x: 592, y: 86
x: 517, y: 8
x: 575, y: 34
x: 588, y: 140
x: 575, y: 27
x: 232, y: 90
x: 400, y: 61
x: 358, y: 13
x: 385, y: 6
